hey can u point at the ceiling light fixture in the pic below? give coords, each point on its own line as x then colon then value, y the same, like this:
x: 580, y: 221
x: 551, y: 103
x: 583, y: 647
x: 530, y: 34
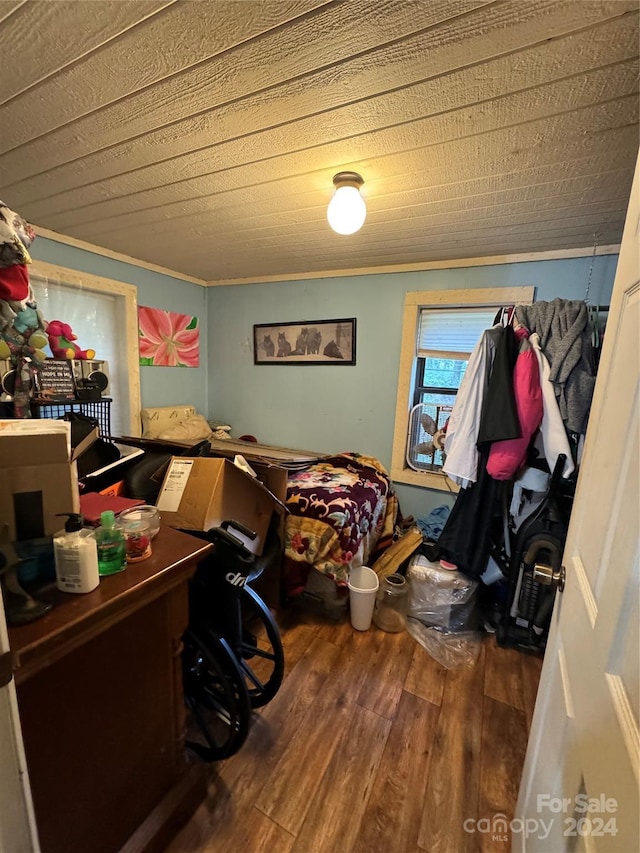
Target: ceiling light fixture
x: 347, y: 211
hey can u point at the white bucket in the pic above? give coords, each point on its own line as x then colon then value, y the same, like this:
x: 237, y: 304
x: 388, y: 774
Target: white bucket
x: 363, y: 586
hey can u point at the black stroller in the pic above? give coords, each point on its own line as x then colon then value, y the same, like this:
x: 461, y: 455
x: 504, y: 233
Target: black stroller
x: 535, y: 568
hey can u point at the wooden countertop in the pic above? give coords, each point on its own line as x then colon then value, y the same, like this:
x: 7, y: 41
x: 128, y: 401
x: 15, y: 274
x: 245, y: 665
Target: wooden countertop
x: 75, y: 618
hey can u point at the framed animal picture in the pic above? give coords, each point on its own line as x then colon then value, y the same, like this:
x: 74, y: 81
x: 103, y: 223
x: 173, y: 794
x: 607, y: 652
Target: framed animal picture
x: 305, y: 342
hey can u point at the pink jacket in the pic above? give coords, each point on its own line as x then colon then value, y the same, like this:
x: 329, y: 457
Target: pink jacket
x: 506, y: 457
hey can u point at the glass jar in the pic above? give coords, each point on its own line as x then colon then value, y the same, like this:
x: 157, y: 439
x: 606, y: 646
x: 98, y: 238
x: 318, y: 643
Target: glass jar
x: 137, y: 541
x: 390, y: 613
x: 146, y: 513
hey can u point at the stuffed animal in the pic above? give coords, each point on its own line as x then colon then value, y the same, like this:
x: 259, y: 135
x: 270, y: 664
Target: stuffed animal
x: 28, y: 318
x: 22, y: 329
x: 61, y: 340
x: 24, y: 316
x: 14, y: 280
x: 30, y: 345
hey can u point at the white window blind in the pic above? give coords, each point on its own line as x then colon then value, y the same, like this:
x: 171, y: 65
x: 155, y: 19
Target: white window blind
x: 97, y: 320
x: 452, y: 330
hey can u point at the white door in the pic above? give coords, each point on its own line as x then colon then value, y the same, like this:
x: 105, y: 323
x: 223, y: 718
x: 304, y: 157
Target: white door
x: 17, y: 824
x: 580, y: 785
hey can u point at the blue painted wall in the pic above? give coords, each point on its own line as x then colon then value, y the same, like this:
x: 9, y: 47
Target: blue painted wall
x: 160, y: 386
x: 326, y: 408
x: 337, y: 408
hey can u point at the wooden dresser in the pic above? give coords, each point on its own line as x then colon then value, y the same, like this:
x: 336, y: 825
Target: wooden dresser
x: 99, y: 689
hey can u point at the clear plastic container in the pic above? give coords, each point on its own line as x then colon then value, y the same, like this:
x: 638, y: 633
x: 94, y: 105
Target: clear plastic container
x: 146, y: 513
x: 390, y: 613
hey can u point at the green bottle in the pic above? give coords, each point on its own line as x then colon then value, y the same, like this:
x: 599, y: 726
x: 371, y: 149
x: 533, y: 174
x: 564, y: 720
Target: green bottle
x: 112, y: 556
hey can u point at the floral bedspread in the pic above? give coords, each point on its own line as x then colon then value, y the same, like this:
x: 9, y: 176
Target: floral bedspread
x: 339, y: 508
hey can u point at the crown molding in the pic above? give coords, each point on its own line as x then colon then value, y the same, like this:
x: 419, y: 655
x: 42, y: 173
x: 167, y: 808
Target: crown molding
x: 116, y: 256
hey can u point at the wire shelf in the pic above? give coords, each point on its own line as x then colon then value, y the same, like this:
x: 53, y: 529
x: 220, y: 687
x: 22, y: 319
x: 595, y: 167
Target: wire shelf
x: 100, y: 410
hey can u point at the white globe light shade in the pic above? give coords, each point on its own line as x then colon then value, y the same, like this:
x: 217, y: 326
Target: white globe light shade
x: 346, y: 211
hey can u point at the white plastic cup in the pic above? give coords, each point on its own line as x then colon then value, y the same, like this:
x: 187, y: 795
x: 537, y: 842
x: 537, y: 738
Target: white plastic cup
x: 363, y: 585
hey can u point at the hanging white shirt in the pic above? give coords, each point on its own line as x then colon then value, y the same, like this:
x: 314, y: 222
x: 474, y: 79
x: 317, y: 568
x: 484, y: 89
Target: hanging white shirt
x: 552, y: 429
x: 461, y: 464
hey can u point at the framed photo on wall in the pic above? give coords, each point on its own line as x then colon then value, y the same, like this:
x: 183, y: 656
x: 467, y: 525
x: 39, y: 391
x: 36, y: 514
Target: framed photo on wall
x: 305, y: 342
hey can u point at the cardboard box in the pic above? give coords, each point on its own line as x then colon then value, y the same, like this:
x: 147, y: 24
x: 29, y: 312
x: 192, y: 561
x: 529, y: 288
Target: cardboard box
x: 38, y: 477
x: 273, y: 477
x: 200, y: 493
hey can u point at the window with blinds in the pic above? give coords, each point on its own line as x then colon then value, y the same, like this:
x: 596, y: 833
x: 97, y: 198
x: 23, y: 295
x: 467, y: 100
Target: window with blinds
x: 439, y: 332
x: 445, y: 340
x: 452, y: 330
x: 97, y: 320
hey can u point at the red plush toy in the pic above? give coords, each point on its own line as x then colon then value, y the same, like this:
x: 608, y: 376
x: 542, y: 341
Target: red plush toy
x: 61, y: 340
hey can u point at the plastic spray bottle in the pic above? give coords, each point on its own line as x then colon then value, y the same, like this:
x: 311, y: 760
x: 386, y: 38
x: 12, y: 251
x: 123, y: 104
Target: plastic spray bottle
x: 76, y: 556
x: 111, y: 549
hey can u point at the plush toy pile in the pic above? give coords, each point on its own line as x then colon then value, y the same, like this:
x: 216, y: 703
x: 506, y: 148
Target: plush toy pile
x: 61, y: 341
x: 24, y: 333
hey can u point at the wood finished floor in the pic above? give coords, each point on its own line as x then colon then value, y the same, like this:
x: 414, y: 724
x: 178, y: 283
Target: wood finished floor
x: 370, y: 746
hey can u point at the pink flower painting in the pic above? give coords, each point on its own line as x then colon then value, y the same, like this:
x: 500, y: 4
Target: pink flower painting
x: 167, y: 339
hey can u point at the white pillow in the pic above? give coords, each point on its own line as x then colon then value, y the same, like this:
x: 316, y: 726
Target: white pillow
x: 193, y: 428
x: 157, y: 420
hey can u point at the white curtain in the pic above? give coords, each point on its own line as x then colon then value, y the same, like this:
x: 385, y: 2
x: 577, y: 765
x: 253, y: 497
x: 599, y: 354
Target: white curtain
x: 97, y: 319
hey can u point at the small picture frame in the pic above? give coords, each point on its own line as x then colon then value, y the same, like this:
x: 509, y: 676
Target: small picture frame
x: 305, y: 342
x: 55, y: 380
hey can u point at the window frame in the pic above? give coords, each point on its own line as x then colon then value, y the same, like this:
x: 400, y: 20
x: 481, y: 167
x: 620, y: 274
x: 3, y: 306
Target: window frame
x: 129, y: 294
x: 414, y: 302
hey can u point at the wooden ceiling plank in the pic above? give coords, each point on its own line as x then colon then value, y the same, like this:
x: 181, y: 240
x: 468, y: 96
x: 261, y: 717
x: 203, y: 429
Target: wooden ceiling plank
x: 377, y: 240
x: 474, y: 38
x: 438, y: 248
x: 9, y: 7
x: 264, y: 266
x: 373, y: 160
x: 42, y: 38
x: 451, y: 247
x: 624, y: 138
x: 318, y: 235
x: 162, y: 46
x: 264, y: 220
x: 411, y: 240
x: 498, y: 78
x: 496, y: 126
x: 299, y: 277
x: 522, y: 108
x: 238, y: 229
x: 199, y: 43
x: 134, y: 227
x: 597, y: 217
x: 255, y: 203
x: 543, y: 182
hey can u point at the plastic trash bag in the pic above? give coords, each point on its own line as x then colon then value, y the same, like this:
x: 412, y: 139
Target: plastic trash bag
x: 441, y: 598
x: 452, y: 649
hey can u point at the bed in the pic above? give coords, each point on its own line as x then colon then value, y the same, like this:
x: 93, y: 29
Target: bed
x: 342, y: 510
